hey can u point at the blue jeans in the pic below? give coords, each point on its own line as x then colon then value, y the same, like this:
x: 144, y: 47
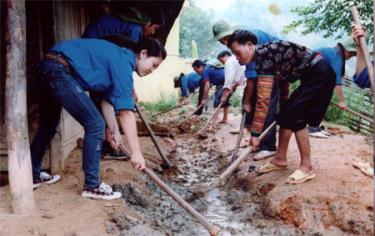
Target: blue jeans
x: 269, y: 142
x: 60, y: 89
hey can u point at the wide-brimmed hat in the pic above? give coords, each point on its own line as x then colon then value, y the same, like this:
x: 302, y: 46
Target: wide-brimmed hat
x: 221, y: 29
x: 348, y: 45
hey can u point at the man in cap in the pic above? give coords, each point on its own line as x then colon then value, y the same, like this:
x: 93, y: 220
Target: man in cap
x: 336, y: 57
x: 221, y: 32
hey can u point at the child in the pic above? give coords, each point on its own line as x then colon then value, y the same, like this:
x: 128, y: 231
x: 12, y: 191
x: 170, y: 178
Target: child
x: 68, y: 70
x: 306, y: 105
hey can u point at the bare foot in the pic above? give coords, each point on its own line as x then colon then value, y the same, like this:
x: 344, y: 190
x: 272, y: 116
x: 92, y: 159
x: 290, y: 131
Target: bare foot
x: 223, y: 122
x: 279, y: 162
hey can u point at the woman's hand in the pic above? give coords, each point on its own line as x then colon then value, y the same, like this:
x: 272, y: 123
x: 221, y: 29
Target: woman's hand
x: 138, y: 161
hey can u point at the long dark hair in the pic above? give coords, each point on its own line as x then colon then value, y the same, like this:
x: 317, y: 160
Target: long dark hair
x: 153, y: 46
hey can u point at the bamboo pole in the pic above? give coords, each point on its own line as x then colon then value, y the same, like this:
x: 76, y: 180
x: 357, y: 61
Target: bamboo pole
x: 364, y: 48
x: 355, y: 113
x: 19, y: 161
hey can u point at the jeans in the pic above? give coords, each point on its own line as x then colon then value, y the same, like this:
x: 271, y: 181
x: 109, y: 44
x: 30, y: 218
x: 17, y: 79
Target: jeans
x: 269, y: 142
x: 60, y: 89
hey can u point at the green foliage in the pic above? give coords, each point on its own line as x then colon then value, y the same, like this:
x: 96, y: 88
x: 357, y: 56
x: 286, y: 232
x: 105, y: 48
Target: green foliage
x: 331, y: 17
x: 163, y: 104
x: 196, y: 24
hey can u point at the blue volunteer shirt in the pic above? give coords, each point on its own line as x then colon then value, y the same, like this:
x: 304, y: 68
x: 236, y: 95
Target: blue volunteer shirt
x: 262, y: 38
x: 215, y: 76
x: 362, y: 80
x: 335, y: 58
x: 189, y: 83
x: 102, y: 67
x: 107, y: 25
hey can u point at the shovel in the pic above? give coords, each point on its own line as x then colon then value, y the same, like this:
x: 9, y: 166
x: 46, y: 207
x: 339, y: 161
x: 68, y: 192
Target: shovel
x: 213, y: 229
x: 242, y: 126
x: 167, y: 163
x: 166, y: 111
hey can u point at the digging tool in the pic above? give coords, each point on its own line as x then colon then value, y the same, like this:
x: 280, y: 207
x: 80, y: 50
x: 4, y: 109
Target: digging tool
x: 355, y: 113
x: 363, y: 44
x: 242, y: 126
x: 224, y: 176
x: 213, y: 229
x: 166, y: 111
x: 217, y: 110
x: 167, y: 163
x: 192, y: 113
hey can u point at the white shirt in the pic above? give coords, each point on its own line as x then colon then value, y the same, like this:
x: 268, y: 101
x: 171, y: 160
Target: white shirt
x: 234, y: 72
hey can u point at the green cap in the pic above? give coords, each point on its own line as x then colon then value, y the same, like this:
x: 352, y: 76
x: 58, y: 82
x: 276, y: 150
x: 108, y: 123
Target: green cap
x: 131, y: 14
x: 221, y: 29
x: 349, y: 45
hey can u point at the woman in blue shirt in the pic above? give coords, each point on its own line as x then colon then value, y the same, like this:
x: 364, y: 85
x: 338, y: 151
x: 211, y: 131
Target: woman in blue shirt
x: 73, y: 67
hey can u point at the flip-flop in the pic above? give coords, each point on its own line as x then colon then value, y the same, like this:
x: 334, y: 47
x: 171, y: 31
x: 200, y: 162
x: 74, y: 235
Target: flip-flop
x: 268, y: 167
x: 299, y: 176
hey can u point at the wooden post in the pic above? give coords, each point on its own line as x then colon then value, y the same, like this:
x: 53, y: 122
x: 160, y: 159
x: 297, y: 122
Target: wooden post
x: 19, y: 161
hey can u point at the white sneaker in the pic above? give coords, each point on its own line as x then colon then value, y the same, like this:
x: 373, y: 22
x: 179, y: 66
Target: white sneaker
x: 45, y: 178
x: 318, y: 135
x: 104, y: 191
x: 263, y: 154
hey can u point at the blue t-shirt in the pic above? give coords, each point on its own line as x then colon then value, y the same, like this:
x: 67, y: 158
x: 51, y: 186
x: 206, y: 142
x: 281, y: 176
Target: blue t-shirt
x: 189, y: 83
x: 215, y: 76
x: 262, y: 38
x: 102, y: 67
x: 107, y: 25
x: 335, y: 58
x: 362, y: 80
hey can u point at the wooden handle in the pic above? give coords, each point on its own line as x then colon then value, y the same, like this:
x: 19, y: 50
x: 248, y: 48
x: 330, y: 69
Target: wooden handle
x: 355, y: 113
x: 363, y: 45
x: 192, y: 113
x: 242, y: 126
x: 153, y: 138
x: 166, y: 111
x: 224, y: 176
x: 201, y: 219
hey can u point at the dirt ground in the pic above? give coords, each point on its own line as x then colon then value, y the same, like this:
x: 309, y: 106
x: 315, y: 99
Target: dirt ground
x: 338, y: 202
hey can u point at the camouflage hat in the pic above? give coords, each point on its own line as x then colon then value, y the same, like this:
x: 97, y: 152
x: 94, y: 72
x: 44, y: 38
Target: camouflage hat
x: 221, y: 29
x: 348, y: 45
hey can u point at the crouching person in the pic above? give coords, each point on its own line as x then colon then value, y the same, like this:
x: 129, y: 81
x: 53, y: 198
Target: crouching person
x: 73, y: 67
x: 306, y: 105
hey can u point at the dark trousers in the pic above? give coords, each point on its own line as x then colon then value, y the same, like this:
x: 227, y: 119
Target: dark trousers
x: 269, y: 142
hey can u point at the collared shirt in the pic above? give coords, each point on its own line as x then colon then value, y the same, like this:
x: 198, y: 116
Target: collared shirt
x: 335, y: 58
x: 109, y: 24
x: 214, y: 75
x: 189, y: 83
x: 234, y: 72
x: 362, y: 80
x: 102, y: 67
x: 262, y: 38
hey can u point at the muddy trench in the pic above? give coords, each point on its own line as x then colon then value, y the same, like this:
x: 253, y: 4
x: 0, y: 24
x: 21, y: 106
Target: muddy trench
x: 236, y: 208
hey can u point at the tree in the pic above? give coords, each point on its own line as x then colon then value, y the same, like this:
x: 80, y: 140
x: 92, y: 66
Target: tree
x: 196, y: 24
x: 331, y: 17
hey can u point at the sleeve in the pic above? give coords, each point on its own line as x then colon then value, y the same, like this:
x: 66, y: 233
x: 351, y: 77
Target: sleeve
x: 230, y: 73
x: 184, y: 87
x: 362, y: 80
x: 339, y: 72
x: 250, y: 72
x: 264, y: 91
x: 120, y: 95
x: 136, y: 32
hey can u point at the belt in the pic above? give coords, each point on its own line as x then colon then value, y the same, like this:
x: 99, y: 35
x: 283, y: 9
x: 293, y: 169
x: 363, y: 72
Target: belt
x: 60, y: 59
